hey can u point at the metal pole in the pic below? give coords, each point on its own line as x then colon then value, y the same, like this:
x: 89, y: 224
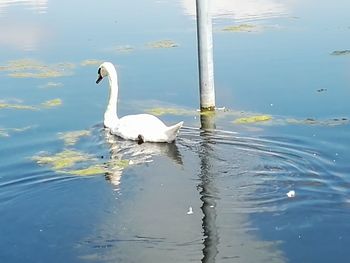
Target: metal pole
x: 205, y: 55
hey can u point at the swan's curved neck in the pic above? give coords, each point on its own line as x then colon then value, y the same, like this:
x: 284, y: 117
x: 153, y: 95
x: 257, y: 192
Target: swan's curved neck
x: 110, y: 116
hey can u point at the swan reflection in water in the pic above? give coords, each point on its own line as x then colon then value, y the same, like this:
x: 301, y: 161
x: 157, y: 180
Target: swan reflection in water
x: 124, y: 153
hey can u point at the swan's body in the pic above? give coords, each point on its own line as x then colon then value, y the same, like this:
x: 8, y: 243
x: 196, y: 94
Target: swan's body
x: 140, y: 127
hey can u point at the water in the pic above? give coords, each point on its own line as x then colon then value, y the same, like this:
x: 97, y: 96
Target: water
x: 235, y: 178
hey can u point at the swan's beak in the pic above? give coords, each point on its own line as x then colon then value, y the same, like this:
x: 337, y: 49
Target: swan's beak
x: 99, y: 79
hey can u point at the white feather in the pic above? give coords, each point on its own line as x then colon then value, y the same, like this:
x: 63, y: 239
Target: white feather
x: 131, y: 127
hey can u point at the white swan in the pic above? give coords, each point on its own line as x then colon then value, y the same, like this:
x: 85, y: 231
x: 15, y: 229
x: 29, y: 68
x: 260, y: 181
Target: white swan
x: 140, y: 127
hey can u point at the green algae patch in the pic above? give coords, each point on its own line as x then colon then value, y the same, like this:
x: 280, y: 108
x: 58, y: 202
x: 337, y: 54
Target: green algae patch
x: 341, y: 52
x: 108, y: 168
x: 253, y: 119
x: 312, y: 121
x: 123, y: 49
x: 241, y: 28
x: 16, y: 106
x: 78, y: 163
x: 31, y: 68
x: 91, y: 62
x: 51, y: 84
x: 22, y: 65
x: 92, y: 170
x: 52, y: 103
x: 71, y: 138
x: 61, y: 160
x: 162, y: 44
x: 36, y: 75
x: 159, y: 111
x: 178, y: 111
x: 6, y: 132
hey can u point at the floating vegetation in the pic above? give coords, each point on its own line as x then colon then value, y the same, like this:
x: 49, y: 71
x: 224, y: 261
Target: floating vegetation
x: 109, y: 168
x: 341, y: 52
x: 78, y: 163
x: 163, y: 44
x: 31, y: 68
x: 253, y: 119
x: 50, y: 85
x: 123, y: 49
x: 288, y: 121
x: 65, y: 159
x: 52, y: 103
x: 159, y: 111
x: 71, y: 138
x: 308, y: 121
x: 245, y: 117
x: 177, y: 111
x: 16, y: 106
x: 36, y: 75
x: 312, y: 121
x: 92, y: 170
x: 241, y: 28
x: 6, y: 132
x: 22, y: 65
x: 292, y: 121
x: 91, y: 62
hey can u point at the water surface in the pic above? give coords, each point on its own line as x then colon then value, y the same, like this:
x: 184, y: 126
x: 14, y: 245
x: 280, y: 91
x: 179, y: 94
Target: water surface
x: 216, y: 195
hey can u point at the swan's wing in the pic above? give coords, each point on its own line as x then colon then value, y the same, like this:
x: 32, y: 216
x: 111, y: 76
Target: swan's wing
x: 149, y: 126
x: 172, y: 131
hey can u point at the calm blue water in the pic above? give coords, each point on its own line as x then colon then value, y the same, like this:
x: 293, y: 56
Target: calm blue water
x: 235, y: 178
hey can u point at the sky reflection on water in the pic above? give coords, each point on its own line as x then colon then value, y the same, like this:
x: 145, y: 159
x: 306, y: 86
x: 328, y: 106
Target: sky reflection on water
x: 242, y: 10
x: 235, y: 178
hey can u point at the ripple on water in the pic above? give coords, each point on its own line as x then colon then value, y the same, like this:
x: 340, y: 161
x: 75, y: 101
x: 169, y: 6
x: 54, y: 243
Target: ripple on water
x: 54, y: 161
x: 255, y: 174
x: 250, y: 174
x: 21, y: 175
x: 23, y: 178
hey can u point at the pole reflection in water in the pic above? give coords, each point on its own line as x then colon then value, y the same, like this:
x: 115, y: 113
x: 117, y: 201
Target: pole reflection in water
x: 208, y: 191
x: 150, y: 214
x: 234, y: 241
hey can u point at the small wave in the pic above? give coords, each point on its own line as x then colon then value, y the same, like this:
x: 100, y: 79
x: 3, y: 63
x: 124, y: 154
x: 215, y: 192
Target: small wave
x: 255, y: 174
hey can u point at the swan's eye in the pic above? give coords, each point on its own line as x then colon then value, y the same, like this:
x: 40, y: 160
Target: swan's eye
x: 99, y: 71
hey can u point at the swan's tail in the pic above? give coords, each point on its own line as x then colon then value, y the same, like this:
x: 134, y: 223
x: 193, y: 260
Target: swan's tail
x: 172, y: 131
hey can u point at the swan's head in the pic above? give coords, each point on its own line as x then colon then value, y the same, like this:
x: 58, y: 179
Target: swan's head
x: 105, y: 69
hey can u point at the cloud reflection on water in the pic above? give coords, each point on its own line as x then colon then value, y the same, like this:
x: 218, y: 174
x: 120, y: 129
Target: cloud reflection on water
x: 39, y: 6
x: 24, y: 37
x: 241, y: 9
x: 16, y: 30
